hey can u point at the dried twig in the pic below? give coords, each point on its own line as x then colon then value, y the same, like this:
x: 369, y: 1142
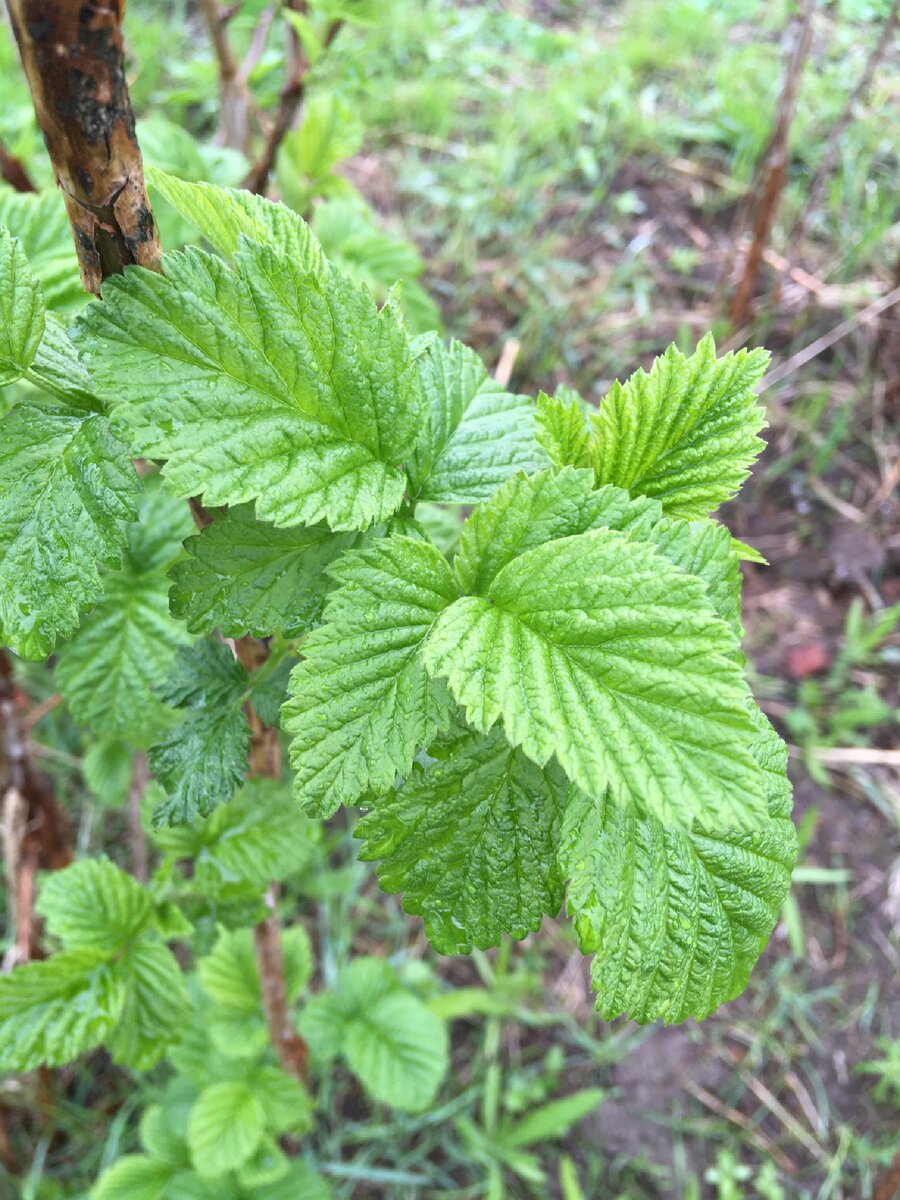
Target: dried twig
x: 883, y: 39
x: 12, y: 170
x: 74, y: 61
x: 773, y: 165
x: 507, y: 361
x: 297, y: 75
x: 827, y: 340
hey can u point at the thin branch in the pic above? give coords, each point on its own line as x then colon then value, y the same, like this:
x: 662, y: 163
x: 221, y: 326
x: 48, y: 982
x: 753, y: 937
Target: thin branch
x: 289, y: 1045
x: 235, y: 101
x: 137, y: 835
x: 265, y: 759
x: 73, y: 57
x: 12, y: 170
x: 297, y: 77
x: 827, y: 340
x: 773, y: 165
x: 880, y: 47
x: 35, y: 830
x: 257, y: 43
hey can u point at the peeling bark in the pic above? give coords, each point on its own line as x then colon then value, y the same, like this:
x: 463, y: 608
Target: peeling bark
x: 73, y: 57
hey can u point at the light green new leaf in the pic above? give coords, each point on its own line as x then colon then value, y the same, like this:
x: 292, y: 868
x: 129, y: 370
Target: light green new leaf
x: 300, y: 1183
x: 52, y: 1011
x: 135, y: 1177
x: 288, y: 1105
x: 562, y: 430
x: 475, y: 434
x: 58, y: 371
x: 596, y: 649
x: 107, y: 767
x: 93, y: 903
x: 261, y: 835
x: 247, y: 576
x: 471, y: 841
x: 224, y: 215
x: 398, y: 1050
x: 392, y: 1042
x: 323, y: 1022
x: 108, y: 673
x: 704, y: 549
x: 230, y: 975
x: 677, y: 920
x: 21, y: 310
x: 124, y: 649
x: 686, y: 432
x: 66, y: 487
x: 41, y: 225
x: 552, y: 1120
x: 201, y: 760
x: 261, y: 382
x: 226, y: 1125
x: 528, y: 511
x: 361, y: 703
x: 155, y: 1006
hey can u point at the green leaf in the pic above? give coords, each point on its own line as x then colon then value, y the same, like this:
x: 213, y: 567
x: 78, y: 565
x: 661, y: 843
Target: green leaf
x: 358, y: 245
x: 261, y: 835
x: 41, y: 226
x: 553, y: 1120
x: 57, y: 370
x: 476, y: 434
x: 300, y: 1183
x: 52, y: 1011
x: 21, y: 310
x: 562, y: 431
x: 471, y: 842
x: 162, y: 1126
x: 226, y: 1126
x: 677, y: 920
x: 135, y: 1177
x: 704, y: 549
x: 685, y: 433
x: 268, y: 1165
x: 331, y: 131
x: 528, y: 511
x: 358, y: 12
x: 392, y: 1042
x: 261, y: 382
x: 154, y: 1009
x: 107, y: 768
x: 247, y: 576
x: 94, y: 904
x: 323, y: 1022
x: 361, y: 703
x: 288, y: 1105
x: 224, y: 215
x: 203, y: 759
x: 230, y: 976
x: 597, y: 650
x: 66, y: 486
x: 269, y: 689
x: 398, y: 1050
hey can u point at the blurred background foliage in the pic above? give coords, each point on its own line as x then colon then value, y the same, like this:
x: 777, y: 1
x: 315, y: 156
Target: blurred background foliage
x: 568, y: 185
